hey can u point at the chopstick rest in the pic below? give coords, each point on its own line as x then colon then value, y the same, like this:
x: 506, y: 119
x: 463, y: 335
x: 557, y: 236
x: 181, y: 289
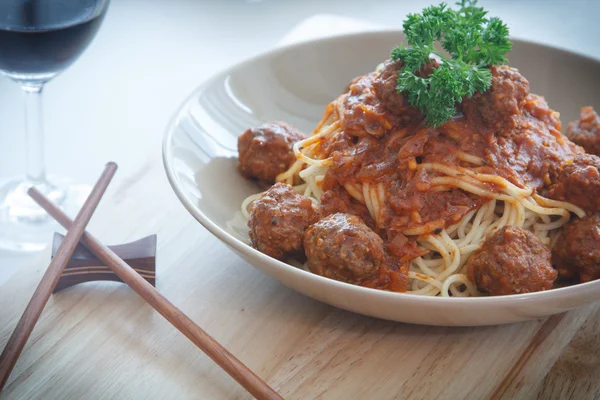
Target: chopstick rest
x: 84, y: 266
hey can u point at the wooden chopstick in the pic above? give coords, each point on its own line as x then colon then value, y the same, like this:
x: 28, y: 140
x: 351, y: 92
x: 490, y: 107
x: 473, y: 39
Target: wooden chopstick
x: 42, y: 293
x: 219, y: 354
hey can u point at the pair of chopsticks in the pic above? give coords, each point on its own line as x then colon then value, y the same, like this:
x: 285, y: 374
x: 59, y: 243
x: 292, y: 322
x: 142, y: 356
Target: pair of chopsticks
x: 76, y: 232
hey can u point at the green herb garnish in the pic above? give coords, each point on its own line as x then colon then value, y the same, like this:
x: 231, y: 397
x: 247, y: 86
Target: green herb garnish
x: 473, y: 41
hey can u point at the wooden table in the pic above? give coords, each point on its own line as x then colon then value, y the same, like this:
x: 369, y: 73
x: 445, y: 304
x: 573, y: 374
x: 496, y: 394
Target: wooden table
x: 101, y: 341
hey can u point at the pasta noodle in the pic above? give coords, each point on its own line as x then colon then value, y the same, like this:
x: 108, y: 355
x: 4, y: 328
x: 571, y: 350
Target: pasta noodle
x: 441, y: 270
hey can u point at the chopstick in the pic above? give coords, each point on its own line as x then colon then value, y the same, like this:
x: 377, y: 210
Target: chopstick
x: 42, y: 293
x: 219, y: 354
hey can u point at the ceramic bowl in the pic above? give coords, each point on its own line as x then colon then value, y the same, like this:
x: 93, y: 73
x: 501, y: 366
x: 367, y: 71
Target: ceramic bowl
x: 294, y: 84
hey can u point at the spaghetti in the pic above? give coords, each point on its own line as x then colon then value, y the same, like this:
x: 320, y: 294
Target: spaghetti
x: 440, y: 270
x: 432, y: 195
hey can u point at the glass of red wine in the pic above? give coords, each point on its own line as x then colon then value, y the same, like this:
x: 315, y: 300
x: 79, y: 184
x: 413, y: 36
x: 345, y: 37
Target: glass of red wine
x: 38, y: 40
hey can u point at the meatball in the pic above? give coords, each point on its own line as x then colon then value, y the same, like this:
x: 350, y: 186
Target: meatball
x: 511, y: 261
x: 342, y: 247
x: 385, y: 86
x: 495, y: 107
x: 579, y: 183
x: 576, y: 253
x: 586, y: 131
x: 266, y: 151
x: 386, y: 82
x: 278, y: 220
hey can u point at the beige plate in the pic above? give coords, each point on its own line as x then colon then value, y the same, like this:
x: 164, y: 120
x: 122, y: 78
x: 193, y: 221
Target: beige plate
x: 294, y: 84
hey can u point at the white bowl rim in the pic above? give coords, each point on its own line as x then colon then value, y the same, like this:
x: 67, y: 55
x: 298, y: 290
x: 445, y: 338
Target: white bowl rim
x: 230, y: 240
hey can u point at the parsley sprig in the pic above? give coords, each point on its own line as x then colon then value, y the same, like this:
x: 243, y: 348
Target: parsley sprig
x: 473, y: 41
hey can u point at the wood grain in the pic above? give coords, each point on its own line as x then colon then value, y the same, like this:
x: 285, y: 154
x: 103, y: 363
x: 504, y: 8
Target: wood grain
x: 42, y: 293
x: 219, y: 354
x: 527, y: 353
x: 575, y: 373
x: 83, y: 266
x: 101, y: 341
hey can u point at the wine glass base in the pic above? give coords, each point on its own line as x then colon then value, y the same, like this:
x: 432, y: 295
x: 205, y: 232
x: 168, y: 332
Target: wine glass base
x: 25, y: 226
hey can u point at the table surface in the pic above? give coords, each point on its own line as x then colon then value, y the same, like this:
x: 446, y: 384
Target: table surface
x: 100, y: 340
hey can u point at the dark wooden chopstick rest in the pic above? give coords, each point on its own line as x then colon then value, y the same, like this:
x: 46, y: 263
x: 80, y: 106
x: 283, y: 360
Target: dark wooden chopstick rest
x: 83, y: 266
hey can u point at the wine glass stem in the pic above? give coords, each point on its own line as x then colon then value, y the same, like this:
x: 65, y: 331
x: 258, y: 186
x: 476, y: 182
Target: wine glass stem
x: 34, y: 129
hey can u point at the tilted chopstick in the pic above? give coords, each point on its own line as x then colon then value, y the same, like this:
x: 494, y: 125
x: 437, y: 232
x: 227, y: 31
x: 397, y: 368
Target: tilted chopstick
x: 234, y: 367
x: 57, y: 265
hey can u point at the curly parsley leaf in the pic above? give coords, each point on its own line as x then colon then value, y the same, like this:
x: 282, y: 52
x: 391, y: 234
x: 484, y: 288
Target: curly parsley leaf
x: 473, y: 41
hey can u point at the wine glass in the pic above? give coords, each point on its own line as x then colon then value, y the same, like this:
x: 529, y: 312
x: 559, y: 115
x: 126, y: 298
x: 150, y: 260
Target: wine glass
x: 38, y: 40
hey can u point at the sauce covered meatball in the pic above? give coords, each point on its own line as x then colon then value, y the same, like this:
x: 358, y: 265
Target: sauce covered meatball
x: 576, y: 253
x: 495, y: 108
x: 579, y: 183
x: 511, y: 261
x: 385, y: 86
x: 266, y: 151
x: 342, y: 247
x: 586, y: 131
x: 278, y: 220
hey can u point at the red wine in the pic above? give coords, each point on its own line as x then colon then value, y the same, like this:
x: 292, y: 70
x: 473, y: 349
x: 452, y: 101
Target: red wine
x: 39, y: 38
